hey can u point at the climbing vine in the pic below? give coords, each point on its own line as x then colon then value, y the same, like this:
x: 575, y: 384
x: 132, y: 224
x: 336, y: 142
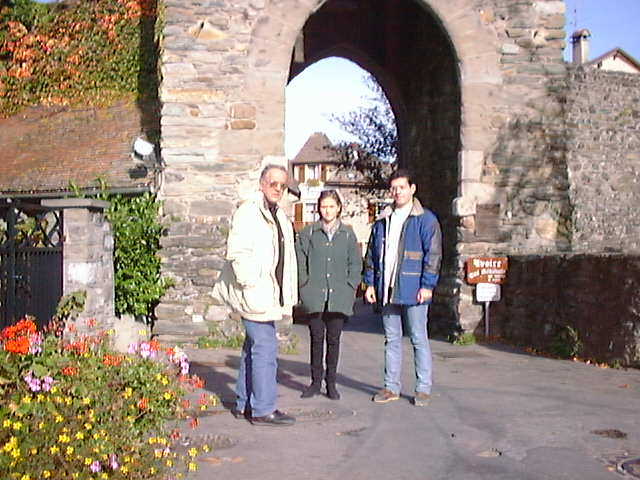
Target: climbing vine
x: 90, y: 52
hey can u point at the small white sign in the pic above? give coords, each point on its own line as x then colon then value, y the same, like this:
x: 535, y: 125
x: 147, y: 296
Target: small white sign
x: 487, y: 292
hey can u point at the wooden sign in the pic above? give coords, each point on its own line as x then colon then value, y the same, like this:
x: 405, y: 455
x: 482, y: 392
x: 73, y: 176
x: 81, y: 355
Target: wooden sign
x: 487, y: 270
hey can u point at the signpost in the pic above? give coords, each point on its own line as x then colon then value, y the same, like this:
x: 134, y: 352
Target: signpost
x: 487, y: 274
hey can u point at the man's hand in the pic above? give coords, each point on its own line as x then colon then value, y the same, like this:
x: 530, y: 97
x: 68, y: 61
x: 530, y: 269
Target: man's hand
x: 424, y: 295
x: 370, y: 294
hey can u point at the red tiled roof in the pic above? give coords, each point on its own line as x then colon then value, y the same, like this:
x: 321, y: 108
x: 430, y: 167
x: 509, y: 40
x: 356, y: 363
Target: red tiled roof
x: 43, y: 150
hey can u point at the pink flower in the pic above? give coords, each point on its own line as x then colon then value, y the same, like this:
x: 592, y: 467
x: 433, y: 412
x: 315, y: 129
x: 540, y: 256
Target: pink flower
x: 95, y: 467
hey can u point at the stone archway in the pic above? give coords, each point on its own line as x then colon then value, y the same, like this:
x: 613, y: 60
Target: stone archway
x: 435, y: 57
x: 473, y: 79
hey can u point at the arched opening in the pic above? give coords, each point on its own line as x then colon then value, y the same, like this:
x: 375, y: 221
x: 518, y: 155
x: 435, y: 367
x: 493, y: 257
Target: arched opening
x: 404, y: 44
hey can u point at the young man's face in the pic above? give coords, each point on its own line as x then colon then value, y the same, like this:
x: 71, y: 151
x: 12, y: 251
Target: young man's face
x: 401, y: 191
x: 274, y: 184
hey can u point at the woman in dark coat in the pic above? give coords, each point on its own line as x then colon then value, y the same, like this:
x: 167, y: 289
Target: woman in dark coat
x: 329, y: 272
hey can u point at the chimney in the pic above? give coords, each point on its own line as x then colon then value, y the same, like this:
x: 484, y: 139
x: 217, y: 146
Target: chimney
x: 580, y: 41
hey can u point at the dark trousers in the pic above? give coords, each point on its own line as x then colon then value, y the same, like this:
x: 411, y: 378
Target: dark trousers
x: 331, y: 323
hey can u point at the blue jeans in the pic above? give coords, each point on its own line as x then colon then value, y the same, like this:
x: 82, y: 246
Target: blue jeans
x: 256, y: 386
x: 416, y: 321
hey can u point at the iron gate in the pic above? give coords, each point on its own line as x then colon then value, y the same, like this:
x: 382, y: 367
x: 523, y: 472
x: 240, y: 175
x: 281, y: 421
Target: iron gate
x: 31, y: 241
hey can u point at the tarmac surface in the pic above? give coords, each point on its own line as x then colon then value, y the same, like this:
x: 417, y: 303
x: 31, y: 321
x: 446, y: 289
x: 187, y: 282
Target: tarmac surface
x: 496, y: 413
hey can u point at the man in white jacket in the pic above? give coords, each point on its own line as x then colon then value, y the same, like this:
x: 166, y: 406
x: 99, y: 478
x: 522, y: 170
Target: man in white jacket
x: 260, y: 251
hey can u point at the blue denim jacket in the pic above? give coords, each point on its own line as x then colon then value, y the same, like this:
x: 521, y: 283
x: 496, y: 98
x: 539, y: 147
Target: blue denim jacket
x: 419, y: 255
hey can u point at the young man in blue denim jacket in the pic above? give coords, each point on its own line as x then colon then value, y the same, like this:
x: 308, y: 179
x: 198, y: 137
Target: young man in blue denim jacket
x: 401, y: 270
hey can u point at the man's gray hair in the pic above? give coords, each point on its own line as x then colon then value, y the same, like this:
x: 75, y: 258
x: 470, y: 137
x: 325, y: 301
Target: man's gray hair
x: 271, y: 166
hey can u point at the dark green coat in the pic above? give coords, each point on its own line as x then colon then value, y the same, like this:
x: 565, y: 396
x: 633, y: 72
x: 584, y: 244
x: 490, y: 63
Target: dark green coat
x: 328, y: 269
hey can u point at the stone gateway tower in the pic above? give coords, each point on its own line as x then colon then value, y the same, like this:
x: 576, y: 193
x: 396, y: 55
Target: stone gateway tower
x: 479, y: 89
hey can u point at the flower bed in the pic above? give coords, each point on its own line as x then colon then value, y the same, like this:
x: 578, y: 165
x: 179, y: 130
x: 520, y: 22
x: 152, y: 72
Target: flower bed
x: 77, y: 410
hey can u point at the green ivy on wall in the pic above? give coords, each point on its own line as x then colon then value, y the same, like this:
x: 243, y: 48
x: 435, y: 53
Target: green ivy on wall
x: 90, y: 52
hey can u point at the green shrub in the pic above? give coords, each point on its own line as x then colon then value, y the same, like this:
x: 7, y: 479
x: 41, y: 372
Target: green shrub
x: 76, y: 410
x: 139, y: 285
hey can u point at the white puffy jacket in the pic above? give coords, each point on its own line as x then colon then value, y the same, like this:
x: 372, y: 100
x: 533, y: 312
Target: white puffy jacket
x: 248, y: 282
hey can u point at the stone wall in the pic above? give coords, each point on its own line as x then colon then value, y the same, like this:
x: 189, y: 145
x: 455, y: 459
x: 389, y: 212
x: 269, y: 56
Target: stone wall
x: 595, y: 295
x: 88, y: 257
x: 603, y: 130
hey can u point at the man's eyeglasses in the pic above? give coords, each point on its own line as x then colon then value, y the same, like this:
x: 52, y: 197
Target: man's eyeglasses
x: 277, y: 186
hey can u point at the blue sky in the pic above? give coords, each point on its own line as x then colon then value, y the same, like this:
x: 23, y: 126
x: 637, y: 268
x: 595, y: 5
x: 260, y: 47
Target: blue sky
x: 334, y: 85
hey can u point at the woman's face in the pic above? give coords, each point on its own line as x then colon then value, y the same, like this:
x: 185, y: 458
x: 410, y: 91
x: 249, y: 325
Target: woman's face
x: 329, y: 209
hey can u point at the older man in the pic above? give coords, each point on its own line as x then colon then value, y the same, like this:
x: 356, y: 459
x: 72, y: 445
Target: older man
x: 260, y: 252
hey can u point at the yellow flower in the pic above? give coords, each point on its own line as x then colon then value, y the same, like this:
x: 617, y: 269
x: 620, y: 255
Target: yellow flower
x: 6, y: 423
x: 54, y: 389
x: 127, y: 392
x: 86, y: 401
x: 88, y: 461
x: 59, y: 419
x: 17, y: 426
x: 79, y: 436
x: 34, y: 451
x: 15, y: 453
x: 193, y: 452
x: 124, y: 470
x: 54, y: 450
x: 167, y: 395
x: 40, y: 397
x: 26, y: 476
x: 157, y: 453
x: 68, y: 400
x: 152, y: 471
x: 88, y: 426
x: 206, y: 448
x: 11, y: 444
x: 40, y: 425
x: 70, y: 450
x: 193, y: 466
x: 26, y: 399
x: 46, y: 474
x: 96, y: 436
x: 64, y: 438
x: 169, y: 463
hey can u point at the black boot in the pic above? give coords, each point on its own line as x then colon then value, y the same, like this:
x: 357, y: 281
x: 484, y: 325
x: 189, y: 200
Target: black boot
x: 332, y: 391
x: 311, y: 390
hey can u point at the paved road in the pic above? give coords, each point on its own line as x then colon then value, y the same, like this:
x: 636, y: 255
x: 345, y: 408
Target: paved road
x: 496, y: 414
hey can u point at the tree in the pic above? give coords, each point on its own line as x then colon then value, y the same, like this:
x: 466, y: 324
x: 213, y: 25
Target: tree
x: 374, y: 128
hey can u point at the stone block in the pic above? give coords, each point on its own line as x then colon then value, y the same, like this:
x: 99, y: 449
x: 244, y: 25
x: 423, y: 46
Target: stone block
x: 242, y: 124
x: 510, y: 49
x: 128, y: 331
x: 557, y: 8
x: 463, y: 206
x: 211, y: 208
x: 242, y: 111
x: 472, y: 162
x: 181, y: 70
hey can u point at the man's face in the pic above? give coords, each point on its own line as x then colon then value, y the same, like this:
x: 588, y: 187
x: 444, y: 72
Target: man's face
x: 274, y: 184
x: 401, y: 191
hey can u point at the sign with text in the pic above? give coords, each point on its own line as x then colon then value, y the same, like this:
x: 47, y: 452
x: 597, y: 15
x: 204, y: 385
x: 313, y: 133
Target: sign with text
x: 487, y: 292
x: 487, y: 269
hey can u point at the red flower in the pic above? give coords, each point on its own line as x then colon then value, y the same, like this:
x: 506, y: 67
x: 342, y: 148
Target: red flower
x: 143, y: 404
x: 70, y: 371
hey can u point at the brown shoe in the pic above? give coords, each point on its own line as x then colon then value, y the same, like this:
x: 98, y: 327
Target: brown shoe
x: 385, y: 396
x: 421, y: 399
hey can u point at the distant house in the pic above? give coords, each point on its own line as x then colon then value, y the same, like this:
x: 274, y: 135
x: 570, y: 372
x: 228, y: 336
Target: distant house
x: 615, y: 60
x: 318, y: 167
